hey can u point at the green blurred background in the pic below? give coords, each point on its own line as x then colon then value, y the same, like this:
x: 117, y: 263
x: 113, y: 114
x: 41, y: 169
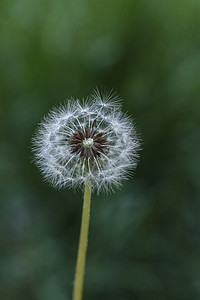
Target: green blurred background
x: 144, y: 239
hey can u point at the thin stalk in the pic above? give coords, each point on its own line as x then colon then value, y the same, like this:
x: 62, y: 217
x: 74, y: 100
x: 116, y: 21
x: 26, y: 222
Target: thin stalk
x: 82, y: 248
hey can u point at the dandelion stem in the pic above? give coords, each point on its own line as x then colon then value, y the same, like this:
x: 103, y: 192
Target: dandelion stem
x: 82, y: 248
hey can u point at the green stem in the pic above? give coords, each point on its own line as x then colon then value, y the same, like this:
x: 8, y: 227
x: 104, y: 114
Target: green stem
x: 82, y: 248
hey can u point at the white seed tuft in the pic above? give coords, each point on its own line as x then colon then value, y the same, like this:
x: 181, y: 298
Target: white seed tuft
x: 106, y: 161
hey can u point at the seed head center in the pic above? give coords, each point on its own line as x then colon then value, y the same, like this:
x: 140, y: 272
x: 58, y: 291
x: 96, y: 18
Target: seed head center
x: 88, y: 143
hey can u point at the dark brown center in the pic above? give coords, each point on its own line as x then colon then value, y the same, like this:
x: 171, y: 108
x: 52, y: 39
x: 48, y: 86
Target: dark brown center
x: 87, y: 142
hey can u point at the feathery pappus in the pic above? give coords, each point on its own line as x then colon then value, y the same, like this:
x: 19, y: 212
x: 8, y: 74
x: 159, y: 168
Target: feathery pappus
x: 91, y: 139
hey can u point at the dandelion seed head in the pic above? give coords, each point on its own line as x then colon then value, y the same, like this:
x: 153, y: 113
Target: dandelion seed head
x: 89, y: 140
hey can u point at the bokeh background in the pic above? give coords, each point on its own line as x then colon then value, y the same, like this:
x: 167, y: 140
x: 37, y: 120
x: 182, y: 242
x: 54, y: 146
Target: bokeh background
x: 144, y: 240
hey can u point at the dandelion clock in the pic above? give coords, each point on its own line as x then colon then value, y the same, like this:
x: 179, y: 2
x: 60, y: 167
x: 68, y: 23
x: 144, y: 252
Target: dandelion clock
x: 90, y: 145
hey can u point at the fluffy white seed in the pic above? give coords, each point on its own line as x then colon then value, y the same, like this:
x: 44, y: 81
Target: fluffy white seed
x: 61, y: 167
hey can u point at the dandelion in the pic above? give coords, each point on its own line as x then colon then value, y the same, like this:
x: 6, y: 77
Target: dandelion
x: 91, y: 145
